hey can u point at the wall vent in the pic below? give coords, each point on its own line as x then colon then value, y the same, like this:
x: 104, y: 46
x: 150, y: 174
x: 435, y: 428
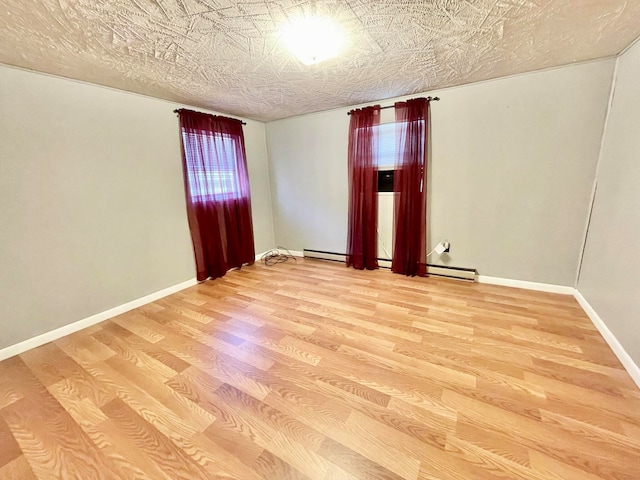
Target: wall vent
x: 459, y: 273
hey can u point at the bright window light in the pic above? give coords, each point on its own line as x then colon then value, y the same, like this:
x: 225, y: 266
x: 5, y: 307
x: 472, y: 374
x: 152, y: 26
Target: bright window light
x: 313, y: 39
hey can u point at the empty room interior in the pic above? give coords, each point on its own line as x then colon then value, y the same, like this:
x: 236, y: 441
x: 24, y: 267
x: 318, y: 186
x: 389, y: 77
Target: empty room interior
x: 320, y: 239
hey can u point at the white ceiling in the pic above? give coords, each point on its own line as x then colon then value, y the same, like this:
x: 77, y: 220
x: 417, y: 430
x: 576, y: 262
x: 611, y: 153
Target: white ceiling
x: 227, y: 55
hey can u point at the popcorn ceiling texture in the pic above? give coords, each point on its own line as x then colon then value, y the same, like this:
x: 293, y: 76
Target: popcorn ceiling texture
x: 227, y: 56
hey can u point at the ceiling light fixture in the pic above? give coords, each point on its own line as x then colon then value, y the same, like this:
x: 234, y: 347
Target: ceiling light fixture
x: 313, y: 39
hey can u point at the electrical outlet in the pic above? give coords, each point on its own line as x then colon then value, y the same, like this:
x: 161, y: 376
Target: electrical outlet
x: 442, y: 247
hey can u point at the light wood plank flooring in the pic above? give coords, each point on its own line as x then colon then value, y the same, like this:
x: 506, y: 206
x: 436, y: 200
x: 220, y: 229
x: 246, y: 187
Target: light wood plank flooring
x: 311, y: 370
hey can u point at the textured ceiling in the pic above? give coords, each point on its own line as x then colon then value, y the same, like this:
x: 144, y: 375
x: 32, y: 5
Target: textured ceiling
x: 227, y: 55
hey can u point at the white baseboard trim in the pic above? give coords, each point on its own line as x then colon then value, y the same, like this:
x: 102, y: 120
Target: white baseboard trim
x: 627, y: 362
x: 540, y: 287
x: 295, y: 253
x: 259, y: 255
x: 632, y: 368
x: 52, y: 335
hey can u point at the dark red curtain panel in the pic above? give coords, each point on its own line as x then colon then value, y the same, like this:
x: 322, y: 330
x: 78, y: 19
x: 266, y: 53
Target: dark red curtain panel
x: 410, y: 187
x: 362, y: 245
x: 217, y: 188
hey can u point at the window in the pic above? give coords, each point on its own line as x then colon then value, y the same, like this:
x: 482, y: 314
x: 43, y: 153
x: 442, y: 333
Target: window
x: 217, y: 190
x: 216, y: 177
x: 387, y: 147
x: 387, y: 151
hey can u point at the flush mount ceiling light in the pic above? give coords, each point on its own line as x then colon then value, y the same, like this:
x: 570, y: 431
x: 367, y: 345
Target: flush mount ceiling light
x: 313, y: 39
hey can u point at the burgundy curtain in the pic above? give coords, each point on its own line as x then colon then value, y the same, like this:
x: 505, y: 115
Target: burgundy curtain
x: 410, y: 187
x: 362, y: 245
x: 217, y: 188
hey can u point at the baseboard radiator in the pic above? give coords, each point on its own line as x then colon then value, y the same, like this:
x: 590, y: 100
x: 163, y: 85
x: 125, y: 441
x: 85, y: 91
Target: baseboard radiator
x: 468, y: 274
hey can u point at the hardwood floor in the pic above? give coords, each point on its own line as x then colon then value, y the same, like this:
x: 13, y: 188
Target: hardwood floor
x: 311, y: 370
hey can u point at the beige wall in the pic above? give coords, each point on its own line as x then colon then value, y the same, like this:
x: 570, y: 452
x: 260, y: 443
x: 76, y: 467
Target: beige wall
x: 92, y: 208
x: 513, y: 163
x: 610, y: 274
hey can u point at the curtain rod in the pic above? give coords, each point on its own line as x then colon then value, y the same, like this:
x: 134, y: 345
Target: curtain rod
x: 434, y: 99
x: 178, y: 111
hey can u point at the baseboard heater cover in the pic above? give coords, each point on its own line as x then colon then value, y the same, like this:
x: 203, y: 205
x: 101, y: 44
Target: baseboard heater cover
x: 458, y: 273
